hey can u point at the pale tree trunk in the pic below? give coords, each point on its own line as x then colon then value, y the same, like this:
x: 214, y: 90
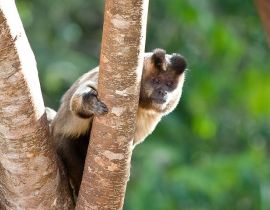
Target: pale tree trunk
x: 107, y: 164
x: 29, y: 175
x: 263, y: 7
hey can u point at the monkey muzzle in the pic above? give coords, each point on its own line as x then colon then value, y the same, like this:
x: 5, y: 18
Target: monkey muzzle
x: 159, y: 96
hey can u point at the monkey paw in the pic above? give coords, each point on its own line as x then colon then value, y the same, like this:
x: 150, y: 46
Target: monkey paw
x: 99, y: 108
x: 92, y: 104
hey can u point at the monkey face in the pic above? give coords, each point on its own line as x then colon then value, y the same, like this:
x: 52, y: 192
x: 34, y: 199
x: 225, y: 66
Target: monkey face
x: 162, y: 80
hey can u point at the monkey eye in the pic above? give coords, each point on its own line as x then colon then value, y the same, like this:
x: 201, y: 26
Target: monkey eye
x: 155, y: 81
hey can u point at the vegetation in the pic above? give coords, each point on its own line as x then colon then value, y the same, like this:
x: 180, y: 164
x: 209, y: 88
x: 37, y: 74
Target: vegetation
x: 213, y: 152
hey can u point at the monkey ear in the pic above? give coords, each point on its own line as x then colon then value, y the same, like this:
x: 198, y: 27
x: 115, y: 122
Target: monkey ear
x: 158, y: 58
x: 178, y: 63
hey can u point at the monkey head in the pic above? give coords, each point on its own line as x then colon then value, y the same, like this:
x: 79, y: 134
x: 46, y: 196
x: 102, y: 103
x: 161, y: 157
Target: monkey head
x: 162, y: 81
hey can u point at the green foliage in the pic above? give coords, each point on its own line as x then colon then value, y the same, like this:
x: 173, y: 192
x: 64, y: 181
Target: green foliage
x: 212, y: 153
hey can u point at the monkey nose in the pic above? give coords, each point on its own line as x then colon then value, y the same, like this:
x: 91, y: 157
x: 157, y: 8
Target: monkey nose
x: 162, y: 93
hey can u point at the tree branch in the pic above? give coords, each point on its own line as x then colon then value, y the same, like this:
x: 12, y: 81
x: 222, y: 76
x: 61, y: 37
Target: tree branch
x: 107, y: 164
x: 29, y: 176
x: 263, y: 7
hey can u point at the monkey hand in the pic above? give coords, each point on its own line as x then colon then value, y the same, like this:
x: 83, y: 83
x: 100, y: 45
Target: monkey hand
x: 93, y: 104
x: 85, y: 103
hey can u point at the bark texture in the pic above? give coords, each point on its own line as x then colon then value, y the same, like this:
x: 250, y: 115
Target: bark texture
x: 263, y: 7
x: 29, y: 176
x: 107, y: 165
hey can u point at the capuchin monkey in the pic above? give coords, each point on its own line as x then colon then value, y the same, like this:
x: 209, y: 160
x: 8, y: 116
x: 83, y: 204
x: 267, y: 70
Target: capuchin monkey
x: 161, y: 89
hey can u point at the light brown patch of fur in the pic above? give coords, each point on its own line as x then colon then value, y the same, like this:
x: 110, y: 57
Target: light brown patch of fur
x: 145, y: 124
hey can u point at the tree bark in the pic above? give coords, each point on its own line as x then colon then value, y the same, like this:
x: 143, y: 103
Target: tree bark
x: 29, y: 175
x: 263, y: 7
x: 107, y: 164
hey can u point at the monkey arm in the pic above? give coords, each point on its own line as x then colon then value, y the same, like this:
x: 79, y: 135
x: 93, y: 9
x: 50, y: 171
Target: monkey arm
x: 83, y: 96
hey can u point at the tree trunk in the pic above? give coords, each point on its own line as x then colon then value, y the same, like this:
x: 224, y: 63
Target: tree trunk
x: 263, y: 7
x: 107, y: 164
x: 29, y: 175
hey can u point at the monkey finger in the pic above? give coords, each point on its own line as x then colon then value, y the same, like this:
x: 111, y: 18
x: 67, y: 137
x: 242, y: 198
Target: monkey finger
x: 93, y: 92
x: 100, y: 108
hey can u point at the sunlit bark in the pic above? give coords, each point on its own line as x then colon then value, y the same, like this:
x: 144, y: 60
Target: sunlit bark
x: 107, y: 165
x: 29, y: 176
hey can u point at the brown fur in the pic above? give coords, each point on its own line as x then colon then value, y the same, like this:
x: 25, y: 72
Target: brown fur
x: 161, y: 89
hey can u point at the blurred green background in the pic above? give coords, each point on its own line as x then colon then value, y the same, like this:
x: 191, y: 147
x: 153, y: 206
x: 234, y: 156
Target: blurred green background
x: 212, y: 153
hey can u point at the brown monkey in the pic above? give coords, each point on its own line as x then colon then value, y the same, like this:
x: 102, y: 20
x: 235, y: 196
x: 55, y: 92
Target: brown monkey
x: 161, y: 89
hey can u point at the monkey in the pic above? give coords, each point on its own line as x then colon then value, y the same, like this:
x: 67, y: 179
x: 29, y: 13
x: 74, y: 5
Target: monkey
x: 161, y: 89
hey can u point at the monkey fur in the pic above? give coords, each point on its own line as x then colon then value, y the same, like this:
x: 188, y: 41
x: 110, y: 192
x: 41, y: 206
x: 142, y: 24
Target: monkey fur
x: 161, y: 89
